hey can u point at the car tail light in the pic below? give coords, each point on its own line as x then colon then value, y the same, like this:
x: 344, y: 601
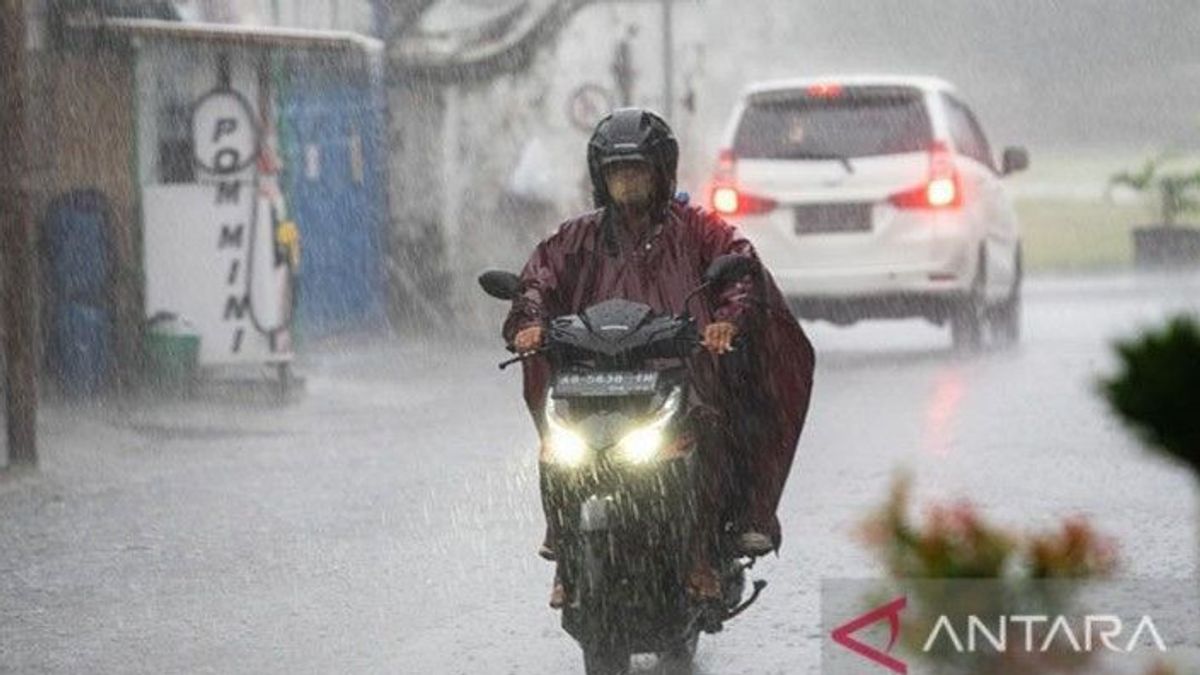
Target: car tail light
x: 943, y: 189
x: 729, y: 201
x: 725, y: 200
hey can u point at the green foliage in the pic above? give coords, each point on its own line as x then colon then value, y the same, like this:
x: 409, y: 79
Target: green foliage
x: 1140, y: 180
x: 1177, y: 191
x: 1157, y: 390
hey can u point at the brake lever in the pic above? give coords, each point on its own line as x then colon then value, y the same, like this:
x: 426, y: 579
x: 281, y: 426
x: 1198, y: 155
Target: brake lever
x: 522, y: 357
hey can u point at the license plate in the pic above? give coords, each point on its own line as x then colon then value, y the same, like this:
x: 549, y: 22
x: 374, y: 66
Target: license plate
x: 623, y: 383
x: 825, y: 218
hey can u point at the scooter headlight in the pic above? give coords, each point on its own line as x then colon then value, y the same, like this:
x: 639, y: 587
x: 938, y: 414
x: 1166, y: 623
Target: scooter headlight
x: 566, y: 446
x: 642, y: 445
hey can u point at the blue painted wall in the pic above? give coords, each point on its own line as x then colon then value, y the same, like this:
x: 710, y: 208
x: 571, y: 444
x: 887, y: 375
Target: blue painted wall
x: 336, y: 189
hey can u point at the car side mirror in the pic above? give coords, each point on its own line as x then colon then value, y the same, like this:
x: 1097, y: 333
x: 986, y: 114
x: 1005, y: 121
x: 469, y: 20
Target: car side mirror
x: 500, y: 285
x: 729, y: 268
x: 1015, y: 159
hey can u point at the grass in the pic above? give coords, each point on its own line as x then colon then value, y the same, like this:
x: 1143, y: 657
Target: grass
x: 1066, y: 222
x: 1065, y: 235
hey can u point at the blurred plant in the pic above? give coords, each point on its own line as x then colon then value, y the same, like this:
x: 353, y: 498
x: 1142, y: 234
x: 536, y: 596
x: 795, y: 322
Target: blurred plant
x: 1163, y: 669
x: 955, y: 543
x: 1157, y: 390
x: 1074, y: 551
x: 1177, y: 192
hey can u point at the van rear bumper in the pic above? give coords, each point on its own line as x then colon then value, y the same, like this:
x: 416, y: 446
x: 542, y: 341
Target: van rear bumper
x: 844, y: 296
x: 847, y: 310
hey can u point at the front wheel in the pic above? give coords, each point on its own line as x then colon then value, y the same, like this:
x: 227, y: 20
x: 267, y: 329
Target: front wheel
x: 605, y: 660
x: 678, y: 660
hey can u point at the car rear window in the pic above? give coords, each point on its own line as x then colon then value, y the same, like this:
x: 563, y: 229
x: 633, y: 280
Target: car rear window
x: 855, y: 123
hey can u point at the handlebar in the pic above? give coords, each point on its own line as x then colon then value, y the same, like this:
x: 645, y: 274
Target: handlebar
x: 696, y: 344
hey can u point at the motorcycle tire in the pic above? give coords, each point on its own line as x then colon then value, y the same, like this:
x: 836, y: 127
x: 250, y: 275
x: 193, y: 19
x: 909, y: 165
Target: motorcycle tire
x: 680, y: 659
x: 606, y: 660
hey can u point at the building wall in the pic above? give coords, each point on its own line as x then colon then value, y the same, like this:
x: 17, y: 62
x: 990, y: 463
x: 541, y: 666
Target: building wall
x: 331, y: 110
x: 83, y: 137
x: 499, y: 163
x: 92, y: 122
x: 344, y: 15
x: 418, y: 275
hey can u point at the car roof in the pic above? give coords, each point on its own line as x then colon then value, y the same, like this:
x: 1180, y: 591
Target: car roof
x: 923, y: 82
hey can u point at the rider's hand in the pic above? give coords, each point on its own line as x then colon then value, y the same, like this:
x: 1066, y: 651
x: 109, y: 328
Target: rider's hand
x: 718, y: 337
x: 528, y: 339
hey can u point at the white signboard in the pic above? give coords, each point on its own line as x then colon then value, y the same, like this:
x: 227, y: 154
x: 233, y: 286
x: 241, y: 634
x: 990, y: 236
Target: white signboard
x: 224, y: 134
x: 210, y: 246
x: 208, y: 262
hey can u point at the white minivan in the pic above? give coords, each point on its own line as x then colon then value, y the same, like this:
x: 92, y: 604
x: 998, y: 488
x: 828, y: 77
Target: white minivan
x: 876, y: 197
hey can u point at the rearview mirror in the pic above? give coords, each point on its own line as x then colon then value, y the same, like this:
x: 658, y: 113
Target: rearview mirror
x: 500, y: 285
x: 1015, y: 159
x: 729, y: 268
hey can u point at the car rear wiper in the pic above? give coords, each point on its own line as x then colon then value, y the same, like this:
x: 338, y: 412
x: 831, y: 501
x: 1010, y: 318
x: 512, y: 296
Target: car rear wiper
x: 828, y: 156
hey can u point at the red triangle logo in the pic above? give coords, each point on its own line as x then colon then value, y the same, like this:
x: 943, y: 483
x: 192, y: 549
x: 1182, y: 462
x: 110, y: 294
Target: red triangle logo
x: 843, y: 635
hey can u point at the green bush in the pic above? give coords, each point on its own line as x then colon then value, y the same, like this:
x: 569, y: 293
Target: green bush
x: 1157, y: 390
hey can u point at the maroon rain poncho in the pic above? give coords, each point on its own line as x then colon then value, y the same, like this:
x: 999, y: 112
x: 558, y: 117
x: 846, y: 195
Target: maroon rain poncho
x: 758, y: 394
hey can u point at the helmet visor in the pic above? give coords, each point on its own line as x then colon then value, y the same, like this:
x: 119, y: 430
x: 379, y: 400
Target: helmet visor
x: 630, y: 183
x: 620, y: 155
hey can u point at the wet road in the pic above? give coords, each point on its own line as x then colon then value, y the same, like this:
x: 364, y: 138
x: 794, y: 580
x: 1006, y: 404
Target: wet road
x: 387, y: 522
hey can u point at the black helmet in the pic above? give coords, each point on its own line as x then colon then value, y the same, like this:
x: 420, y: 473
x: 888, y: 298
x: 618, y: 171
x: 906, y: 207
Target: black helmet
x: 633, y: 135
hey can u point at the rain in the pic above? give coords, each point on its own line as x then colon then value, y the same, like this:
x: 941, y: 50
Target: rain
x: 254, y: 419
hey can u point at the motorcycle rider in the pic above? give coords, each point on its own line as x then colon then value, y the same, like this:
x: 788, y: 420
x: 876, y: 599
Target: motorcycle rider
x: 645, y: 245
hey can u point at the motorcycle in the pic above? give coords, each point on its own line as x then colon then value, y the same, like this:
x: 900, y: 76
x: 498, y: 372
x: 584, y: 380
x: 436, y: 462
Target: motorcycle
x: 620, y: 479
